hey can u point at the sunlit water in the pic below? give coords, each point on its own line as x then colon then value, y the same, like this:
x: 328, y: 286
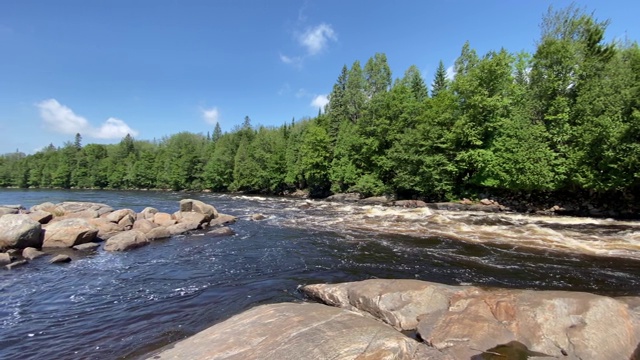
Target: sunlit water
x: 123, y: 305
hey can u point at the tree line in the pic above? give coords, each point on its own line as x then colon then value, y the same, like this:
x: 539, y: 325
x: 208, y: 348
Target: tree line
x: 565, y: 118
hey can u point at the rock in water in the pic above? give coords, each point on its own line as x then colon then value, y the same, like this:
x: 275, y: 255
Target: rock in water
x: 223, y: 231
x: 197, y: 206
x: 68, y: 233
x: 126, y: 240
x: 19, y: 231
x: 31, y: 253
x: 60, y: 259
x: 297, y: 331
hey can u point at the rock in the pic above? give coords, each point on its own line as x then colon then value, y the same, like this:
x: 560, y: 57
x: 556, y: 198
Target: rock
x: 159, y: 232
x: 60, y: 259
x: 257, y: 217
x: 126, y: 240
x: 163, y: 219
x: 410, y: 203
x: 13, y: 252
x: 190, y: 205
x: 190, y: 217
x: 68, y: 233
x: 84, y: 214
x: 31, y: 253
x: 463, y: 321
x: 183, y: 227
x: 223, y: 219
x: 466, y: 201
x: 127, y: 221
x: 90, y: 246
x: 19, y: 231
x: 301, y: 194
x: 106, y: 228
x: 5, y: 210
x: 223, y: 231
x: 304, y: 331
x: 350, y: 197
x: 76, y: 207
x: 148, y: 213
x: 16, y: 264
x: 144, y: 225
x: 486, y: 202
x: 118, y: 215
x: 375, y: 200
x: 41, y: 216
x: 43, y: 207
x: 5, y: 259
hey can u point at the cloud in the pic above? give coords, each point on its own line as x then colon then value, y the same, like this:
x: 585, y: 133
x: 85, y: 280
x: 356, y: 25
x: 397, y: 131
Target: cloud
x: 320, y: 101
x: 211, y: 116
x: 295, y: 60
x: 451, y: 73
x: 62, y: 119
x: 316, y: 39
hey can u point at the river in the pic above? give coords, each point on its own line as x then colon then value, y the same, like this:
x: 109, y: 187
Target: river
x: 123, y: 305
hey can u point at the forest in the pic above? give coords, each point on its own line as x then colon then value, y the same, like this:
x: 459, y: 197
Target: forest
x: 565, y: 118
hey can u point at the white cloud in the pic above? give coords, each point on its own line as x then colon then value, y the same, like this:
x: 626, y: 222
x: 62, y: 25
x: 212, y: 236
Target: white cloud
x: 294, y: 61
x: 211, y: 116
x: 320, y: 101
x: 451, y: 73
x: 316, y: 39
x: 62, y: 119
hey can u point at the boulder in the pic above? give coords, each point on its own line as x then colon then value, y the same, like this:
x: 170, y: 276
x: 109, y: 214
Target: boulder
x: 409, y: 203
x: 163, y: 219
x: 190, y: 217
x: 349, y: 197
x: 106, y: 228
x: 222, y: 231
x: 19, y: 231
x: 31, y: 253
x: 197, y: 206
x: 75, y: 207
x: 486, y: 202
x: 183, y: 227
x: 374, y: 200
x: 466, y: 201
x: 159, y: 232
x: 118, y: 215
x: 41, y: 216
x: 144, y: 225
x: 304, y: 331
x: 148, y: 213
x: 68, y: 233
x: 84, y: 214
x: 223, y: 219
x: 5, y: 259
x: 126, y: 240
x: 257, y: 217
x: 16, y: 264
x: 90, y: 246
x: 127, y: 221
x: 60, y: 259
x: 46, y: 206
x: 4, y: 210
x: 464, y: 321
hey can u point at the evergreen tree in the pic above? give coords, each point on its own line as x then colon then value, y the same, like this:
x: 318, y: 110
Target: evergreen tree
x: 439, y: 80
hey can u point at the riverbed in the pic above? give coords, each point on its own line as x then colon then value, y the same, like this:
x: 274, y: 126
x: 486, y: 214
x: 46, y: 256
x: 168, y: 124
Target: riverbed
x: 123, y: 305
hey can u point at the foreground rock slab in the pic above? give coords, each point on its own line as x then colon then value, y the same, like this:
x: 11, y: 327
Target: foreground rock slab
x: 298, y: 331
x: 19, y: 231
x: 464, y: 321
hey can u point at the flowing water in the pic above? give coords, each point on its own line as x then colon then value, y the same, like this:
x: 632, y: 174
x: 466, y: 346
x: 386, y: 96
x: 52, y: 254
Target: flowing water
x: 123, y: 305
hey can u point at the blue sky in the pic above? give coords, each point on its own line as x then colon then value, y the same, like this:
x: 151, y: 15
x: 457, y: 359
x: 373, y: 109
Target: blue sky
x: 153, y: 68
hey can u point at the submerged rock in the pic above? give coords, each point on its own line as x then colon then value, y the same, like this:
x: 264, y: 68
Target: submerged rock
x: 460, y: 320
x: 223, y: 231
x: 298, y: 331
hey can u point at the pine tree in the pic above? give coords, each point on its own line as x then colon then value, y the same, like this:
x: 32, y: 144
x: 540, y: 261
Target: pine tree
x: 439, y: 81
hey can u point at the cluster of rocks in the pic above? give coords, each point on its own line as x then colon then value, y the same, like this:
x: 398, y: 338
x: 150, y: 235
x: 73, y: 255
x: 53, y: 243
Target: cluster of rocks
x: 82, y: 225
x: 484, y: 205
x: 371, y: 320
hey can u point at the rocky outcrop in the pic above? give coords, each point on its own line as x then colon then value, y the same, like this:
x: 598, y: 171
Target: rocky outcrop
x: 348, y: 197
x: 197, y: 206
x: 5, y: 209
x: 375, y: 200
x: 159, y: 232
x: 19, y: 231
x: 304, y: 331
x: 126, y: 240
x: 106, y: 228
x: 41, y: 216
x: 163, y: 219
x: 409, y: 203
x: 68, y: 233
x: 464, y: 321
x: 147, y: 213
x: 70, y: 207
x: 144, y: 225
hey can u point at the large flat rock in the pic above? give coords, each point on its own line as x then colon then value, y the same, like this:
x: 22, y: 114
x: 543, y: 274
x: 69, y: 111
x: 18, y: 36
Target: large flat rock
x: 298, y: 331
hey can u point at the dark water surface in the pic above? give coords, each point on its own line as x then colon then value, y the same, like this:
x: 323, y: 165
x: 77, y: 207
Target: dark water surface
x: 123, y: 305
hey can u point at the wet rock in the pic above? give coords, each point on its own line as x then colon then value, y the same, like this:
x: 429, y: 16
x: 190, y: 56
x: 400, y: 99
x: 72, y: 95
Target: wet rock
x: 19, y: 231
x: 410, y: 203
x: 41, y: 216
x: 197, y: 206
x: 348, y: 197
x: 144, y: 225
x: 68, y: 233
x: 466, y: 201
x: 16, y: 264
x: 304, y: 331
x: 223, y: 231
x: 60, y: 259
x: 159, y: 232
x: 257, y: 217
x: 301, y: 194
x: 223, y: 219
x: 459, y: 320
x: 375, y: 200
x: 31, y: 253
x: 126, y: 240
x: 5, y: 259
x: 163, y: 219
x: 90, y: 246
x: 183, y: 227
x: 13, y: 252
